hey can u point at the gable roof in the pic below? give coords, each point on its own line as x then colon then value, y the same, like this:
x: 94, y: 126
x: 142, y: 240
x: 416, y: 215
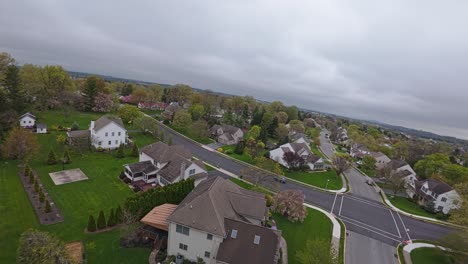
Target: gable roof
x: 396, y: 164
x: 28, y: 114
x: 78, y: 133
x: 215, y: 199
x: 144, y: 166
x: 312, y: 158
x: 227, y: 129
x: 157, y: 217
x: 105, y: 120
x: 242, y: 249
x: 162, y: 153
x: 438, y: 186
x: 377, y: 154
x: 40, y: 125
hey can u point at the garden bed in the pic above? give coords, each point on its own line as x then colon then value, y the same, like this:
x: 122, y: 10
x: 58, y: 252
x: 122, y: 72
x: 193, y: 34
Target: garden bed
x: 52, y: 217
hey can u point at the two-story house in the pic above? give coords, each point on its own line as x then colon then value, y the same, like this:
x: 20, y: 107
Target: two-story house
x: 107, y: 132
x: 221, y: 222
x: 300, y: 138
x: 441, y: 196
x: 406, y: 172
x: 162, y: 164
x: 381, y: 160
x: 27, y: 120
x: 226, y: 134
x: 313, y: 161
x: 358, y: 151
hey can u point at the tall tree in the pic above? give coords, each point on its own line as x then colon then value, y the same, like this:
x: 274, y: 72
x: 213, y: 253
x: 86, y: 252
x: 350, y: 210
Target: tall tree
x: 92, y: 87
x: 197, y: 111
x: 182, y: 119
x: 282, y: 117
x: 14, y: 93
x: 129, y: 113
x: 41, y: 247
x: 290, y: 203
x: 20, y: 144
x: 341, y: 162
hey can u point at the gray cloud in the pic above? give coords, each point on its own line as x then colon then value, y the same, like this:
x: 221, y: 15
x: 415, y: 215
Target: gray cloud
x: 402, y: 62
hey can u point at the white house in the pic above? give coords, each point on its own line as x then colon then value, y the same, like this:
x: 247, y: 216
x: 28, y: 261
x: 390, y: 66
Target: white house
x: 107, y: 132
x: 41, y: 128
x: 300, y: 138
x: 27, y: 120
x: 313, y: 161
x: 221, y: 222
x: 380, y: 159
x: 405, y: 170
x: 162, y: 164
x: 441, y: 195
x: 226, y: 134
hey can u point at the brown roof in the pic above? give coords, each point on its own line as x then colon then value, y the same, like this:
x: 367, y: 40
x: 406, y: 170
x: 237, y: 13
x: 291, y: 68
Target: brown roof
x: 215, y: 199
x: 158, y: 216
x: 105, y: 120
x: 78, y: 133
x: 163, y: 153
x: 242, y: 249
x: 396, y: 164
x: 312, y: 158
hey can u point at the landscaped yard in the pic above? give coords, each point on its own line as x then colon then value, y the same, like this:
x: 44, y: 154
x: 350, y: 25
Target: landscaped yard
x: 244, y: 157
x: 188, y: 133
x: 318, y: 179
x: 102, y: 191
x: 409, y: 206
x: 430, y: 256
x: 316, y: 225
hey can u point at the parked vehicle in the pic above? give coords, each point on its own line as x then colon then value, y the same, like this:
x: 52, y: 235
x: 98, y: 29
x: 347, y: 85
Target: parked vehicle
x: 280, y: 179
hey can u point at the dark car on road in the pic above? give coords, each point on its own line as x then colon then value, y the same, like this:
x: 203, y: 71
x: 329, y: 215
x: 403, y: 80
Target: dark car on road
x: 280, y: 179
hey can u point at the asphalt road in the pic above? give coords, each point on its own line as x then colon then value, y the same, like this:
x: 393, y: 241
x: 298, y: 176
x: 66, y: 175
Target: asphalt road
x: 367, y: 217
x: 356, y: 181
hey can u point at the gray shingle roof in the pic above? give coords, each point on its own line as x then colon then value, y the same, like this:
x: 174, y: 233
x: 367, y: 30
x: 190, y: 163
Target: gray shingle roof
x: 215, y: 199
x: 28, y: 114
x: 396, y: 164
x: 78, y: 133
x: 438, y: 186
x: 38, y: 125
x: 144, y: 166
x: 242, y: 249
x: 162, y: 153
x: 105, y: 120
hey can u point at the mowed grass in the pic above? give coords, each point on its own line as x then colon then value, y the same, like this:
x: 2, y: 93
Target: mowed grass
x: 60, y: 118
x: 430, y: 256
x: 315, y: 226
x: 409, y: 206
x: 318, y: 179
x: 188, y: 133
x: 76, y: 201
x: 244, y: 157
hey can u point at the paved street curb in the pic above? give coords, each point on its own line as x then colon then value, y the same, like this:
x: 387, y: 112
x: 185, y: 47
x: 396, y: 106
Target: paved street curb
x: 410, y: 247
x: 342, y: 190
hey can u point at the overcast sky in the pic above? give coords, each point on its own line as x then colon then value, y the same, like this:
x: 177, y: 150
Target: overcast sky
x: 400, y: 62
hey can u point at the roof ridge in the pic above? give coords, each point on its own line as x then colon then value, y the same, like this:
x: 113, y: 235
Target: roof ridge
x: 220, y: 221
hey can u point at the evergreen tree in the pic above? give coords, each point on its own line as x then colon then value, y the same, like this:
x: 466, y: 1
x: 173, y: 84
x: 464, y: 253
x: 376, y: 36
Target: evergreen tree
x: 47, y: 208
x: 66, y: 157
x: 92, y: 87
x: 52, y: 159
x: 118, y: 215
x: 169, y: 141
x: 111, y: 220
x: 36, y: 185
x: 75, y: 126
x: 135, y: 152
x: 161, y: 136
x: 26, y: 171
x: 91, y: 224
x: 11, y: 83
x: 101, y: 221
x: 239, y: 150
x: 41, y: 196
x: 31, y: 178
x: 120, y: 152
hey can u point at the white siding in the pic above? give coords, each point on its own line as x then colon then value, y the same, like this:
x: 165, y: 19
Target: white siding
x: 197, y: 243
x: 27, y: 121
x: 100, y: 136
x: 448, y: 205
x: 195, y: 167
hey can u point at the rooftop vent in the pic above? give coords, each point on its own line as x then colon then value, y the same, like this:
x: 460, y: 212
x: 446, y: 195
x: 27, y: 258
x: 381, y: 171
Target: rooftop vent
x: 234, y: 233
x: 257, y: 240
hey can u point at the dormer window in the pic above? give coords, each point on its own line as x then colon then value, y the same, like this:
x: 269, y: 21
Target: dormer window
x: 257, y: 240
x: 234, y: 233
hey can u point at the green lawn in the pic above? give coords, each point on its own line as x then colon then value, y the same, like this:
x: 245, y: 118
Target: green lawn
x: 102, y: 191
x: 316, y: 225
x: 409, y: 207
x: 249, y: 186
x: 189, y: 134
x: 244, y: 157
x: 430, y: 256
x: 59, y: 118
x: 316, y: 151
x: 318, y: 179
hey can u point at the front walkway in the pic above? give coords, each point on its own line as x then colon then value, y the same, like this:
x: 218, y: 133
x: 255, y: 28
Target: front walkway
x: 284, y: 250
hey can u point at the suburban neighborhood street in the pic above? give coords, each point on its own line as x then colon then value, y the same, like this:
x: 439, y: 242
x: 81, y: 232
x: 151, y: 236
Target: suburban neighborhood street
x: 379, y: 227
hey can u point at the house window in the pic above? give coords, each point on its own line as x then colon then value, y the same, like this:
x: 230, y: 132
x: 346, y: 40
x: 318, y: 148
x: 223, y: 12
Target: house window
x: 439, y: 208
x: 107, y: 134
x: 183, y: 246
x: 443, y: 199
x: 116, y: 142
x: 192, y: 171
x: 183, y: 230
x: 112, y: 133
x: 209, y: 236
x: 29, y: 122
x: 99, y: 143
x: 118, y: 133
x: 207, y: 254
x: 234, y: 233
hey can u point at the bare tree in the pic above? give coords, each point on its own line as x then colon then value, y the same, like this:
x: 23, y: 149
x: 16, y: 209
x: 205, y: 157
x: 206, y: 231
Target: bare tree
x: 290, y: 203
x: 341, y: 163
x: 392, y: 178
x: 294, y: 160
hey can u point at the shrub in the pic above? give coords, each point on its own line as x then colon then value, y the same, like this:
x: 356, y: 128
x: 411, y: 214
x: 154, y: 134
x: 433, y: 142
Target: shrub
x: 111, y: 220
x: 27, y: 170
x: 120, y: 152
x: 66, y: 157
x: 220, y: 149
x: 229, y: 151
x: 75, y: 126
x: 240, y: 148
x: 101, y: 221
x: 135, y: 152
x: 61, y: 139
x: 47, y: 206
x: 36, y: 185
x: 51, y: 160
x: 41, y: 196
x: 118, y: 215
x: 91, y: 224
x: 269, y: 200
x: 31, y: 178
x: 442, y: 216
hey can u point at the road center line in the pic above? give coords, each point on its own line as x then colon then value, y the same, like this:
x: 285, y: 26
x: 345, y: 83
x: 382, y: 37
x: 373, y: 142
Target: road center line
x: 363, y: 227
x: 398, y: 229
x: 403, y: 223
x: 334, y: 200
x: 341, y: 205
x: 381, y: 230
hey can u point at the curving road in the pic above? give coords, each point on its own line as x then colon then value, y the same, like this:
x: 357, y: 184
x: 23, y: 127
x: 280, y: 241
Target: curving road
x: 373, y: 228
